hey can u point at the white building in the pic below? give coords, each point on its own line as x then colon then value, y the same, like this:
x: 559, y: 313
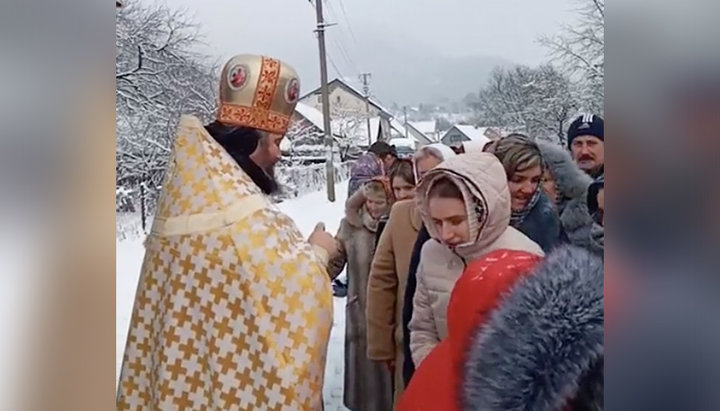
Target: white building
x: 461, y: 133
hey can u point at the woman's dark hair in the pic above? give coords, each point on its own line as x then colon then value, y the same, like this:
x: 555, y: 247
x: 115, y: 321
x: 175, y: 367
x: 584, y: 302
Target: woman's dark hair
x: 444, y: 187
x: 403, y: 169
x: 240, y: 143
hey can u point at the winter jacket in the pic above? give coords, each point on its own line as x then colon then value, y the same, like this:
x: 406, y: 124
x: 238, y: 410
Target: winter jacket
x: 368, y: 384
x: 408, y: 364
x: 481, y: 178
x: 506, y: 348
x: 542, y: 224
x: 548, y: 359
x: 365, y: 168
x: 386, y: 287
x: 572, y: 186
x: 437, y: 381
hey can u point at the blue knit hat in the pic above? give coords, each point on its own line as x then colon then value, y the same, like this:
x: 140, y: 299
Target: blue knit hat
x: 586, y: 125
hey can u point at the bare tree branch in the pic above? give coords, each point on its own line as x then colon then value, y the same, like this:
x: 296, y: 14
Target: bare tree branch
x: 580, y: 51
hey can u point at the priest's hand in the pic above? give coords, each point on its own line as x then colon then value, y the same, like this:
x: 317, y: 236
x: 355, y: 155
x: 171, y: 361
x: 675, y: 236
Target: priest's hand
x: 323, y: 239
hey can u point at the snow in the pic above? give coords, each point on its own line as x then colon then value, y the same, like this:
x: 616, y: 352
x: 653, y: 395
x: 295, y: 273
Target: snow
x: 357, y: 91
x: 311, y: 114
x: 473, y: 133
x: 425, y: 127
x: 359, y: 133
x: 307, y: 211
x: 401, y: 129
x: 403, y: 142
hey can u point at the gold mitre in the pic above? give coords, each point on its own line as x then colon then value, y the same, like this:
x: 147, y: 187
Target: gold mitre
x: 258, y: 92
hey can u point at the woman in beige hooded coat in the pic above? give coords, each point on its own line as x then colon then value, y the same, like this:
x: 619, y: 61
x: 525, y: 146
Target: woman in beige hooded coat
x: 465, y: 205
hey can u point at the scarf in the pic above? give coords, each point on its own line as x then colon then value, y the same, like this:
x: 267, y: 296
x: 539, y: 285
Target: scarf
x: 517, y: 217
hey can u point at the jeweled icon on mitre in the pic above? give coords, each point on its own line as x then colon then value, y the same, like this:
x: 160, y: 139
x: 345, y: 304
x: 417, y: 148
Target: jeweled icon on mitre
x: 238, y: 76
x: 292, y: 92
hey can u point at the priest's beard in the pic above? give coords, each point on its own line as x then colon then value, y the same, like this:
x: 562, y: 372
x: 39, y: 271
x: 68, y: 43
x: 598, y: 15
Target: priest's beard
x: 249, y: 150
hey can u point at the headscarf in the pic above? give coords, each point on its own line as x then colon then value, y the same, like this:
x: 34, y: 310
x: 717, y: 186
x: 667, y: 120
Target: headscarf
x: 517, y: 217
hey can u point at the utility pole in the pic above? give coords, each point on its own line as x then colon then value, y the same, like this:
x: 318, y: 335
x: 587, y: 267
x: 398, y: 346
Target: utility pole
x: 325, y: 97
x: 406, y: 123
x: 365, y: 77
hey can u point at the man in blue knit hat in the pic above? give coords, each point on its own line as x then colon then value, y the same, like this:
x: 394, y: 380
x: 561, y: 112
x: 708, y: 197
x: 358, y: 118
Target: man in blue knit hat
x: 586, y: 141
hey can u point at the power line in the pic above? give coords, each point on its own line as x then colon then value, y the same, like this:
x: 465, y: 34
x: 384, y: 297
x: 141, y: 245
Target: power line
x: 340, y: 44
x: 337, y: 70
x: 342, y: 50
x: 352, y: 34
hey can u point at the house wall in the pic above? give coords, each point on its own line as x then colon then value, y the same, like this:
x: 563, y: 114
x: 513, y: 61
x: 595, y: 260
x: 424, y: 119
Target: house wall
x: 342, y: 99
x: 422, y: 140
x: 454, y: 137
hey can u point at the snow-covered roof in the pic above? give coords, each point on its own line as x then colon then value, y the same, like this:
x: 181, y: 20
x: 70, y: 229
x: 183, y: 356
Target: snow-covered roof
x: 425, y: 127
x: 403, y: 142
x: 311, y: 114
x: 356, y: 91
x: 473, y: 133
x: 400, y: 129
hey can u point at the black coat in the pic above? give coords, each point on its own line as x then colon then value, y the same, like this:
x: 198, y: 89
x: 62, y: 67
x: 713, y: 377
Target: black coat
x: 408, y: 366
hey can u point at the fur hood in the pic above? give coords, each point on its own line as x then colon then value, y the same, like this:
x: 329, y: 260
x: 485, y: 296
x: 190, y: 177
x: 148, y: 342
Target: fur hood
x: 544, y: 345
x: 572, y: 183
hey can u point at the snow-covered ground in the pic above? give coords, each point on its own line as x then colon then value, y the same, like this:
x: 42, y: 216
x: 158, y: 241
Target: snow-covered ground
x: 307, y: 211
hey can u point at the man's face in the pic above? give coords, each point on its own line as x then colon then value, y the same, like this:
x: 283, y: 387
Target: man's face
x: 588, y: 152
x: 267, y: 153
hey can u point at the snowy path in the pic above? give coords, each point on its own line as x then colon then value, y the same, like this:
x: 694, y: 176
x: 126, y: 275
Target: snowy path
x: 307, y: 211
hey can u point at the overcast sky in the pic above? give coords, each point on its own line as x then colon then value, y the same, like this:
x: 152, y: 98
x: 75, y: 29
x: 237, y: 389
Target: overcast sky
x: 508, y: 29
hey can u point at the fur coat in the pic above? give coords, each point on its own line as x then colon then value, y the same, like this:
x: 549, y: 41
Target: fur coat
x: 572, y: 185
x: 368, y: 383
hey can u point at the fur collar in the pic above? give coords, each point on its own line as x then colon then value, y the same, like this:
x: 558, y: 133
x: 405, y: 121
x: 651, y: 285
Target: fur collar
x: 544, y: 339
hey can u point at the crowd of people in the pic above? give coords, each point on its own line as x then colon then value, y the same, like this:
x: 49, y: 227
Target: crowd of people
x: 484, y: 225
x: 474, y: 273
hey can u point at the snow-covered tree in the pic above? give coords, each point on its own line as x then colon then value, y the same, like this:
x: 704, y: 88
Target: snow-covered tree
x: 349, y: 125
x: 537, y: 101
x: 303, y: 137
x: 443, y: 124
x: 580, y: 50
x: 158, y: 77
